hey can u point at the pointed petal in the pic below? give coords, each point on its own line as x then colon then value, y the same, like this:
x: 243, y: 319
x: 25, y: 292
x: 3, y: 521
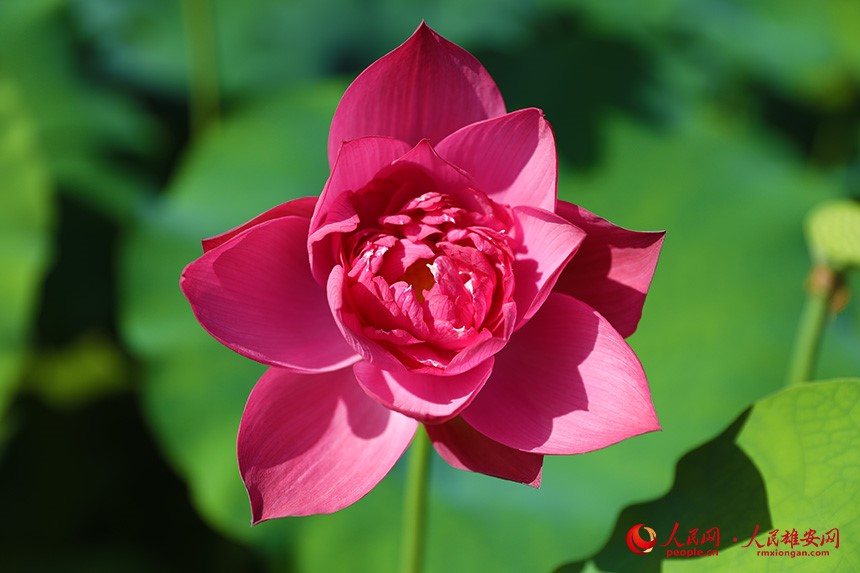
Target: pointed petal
x: 466, y: 449
x: 613, y: 268
x: 426, y: 88
x: 426, y: 397
x: 566, y: 383
x: 315, y: 443
x: 256, y: 295
x: 303, y: 207
x: 512, y: 158
x: 548, y: 242
x: 446, y: 177
x: 357, y: 164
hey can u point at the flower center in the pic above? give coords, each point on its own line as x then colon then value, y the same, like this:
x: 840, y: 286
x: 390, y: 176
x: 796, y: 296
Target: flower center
x: 430, y: 274
x: 419, y: 276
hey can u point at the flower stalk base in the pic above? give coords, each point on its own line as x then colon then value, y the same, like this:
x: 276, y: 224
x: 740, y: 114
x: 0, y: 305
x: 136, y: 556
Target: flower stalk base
x: 415, y: 506
x: 821, y: 286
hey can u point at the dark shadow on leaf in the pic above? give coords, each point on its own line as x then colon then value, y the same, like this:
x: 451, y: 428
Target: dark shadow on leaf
x: 716, y: 485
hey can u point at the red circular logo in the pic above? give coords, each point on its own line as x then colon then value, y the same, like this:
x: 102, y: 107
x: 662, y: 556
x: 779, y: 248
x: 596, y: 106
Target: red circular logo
x: 637, y: 543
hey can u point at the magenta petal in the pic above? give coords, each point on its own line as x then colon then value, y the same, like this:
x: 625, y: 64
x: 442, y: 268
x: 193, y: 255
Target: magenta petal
x: 255, y: 294
x: 357, y: 164
x: 548, y: 243
x: 315, y: 443
x: 303, y: 207
x: 466, y: 449
x: 349, y: 326
x: 426, y: 88
x: 566, y: 383
x: 447, y: 177
x: 474, y: 355
x: 511, y: 158
x: 425, y: 397
x: 613, y: 268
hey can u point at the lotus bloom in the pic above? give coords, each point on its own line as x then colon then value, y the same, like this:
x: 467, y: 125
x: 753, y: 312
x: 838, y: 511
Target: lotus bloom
x: 436, y: 280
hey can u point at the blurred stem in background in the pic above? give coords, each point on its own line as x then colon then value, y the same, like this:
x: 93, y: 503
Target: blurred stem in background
x: 204, y: 92
x: 833, y: 233
x: 821, y: 286
x: 415, y: 504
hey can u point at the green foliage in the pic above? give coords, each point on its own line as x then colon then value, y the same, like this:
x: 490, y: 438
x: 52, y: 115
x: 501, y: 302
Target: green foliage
x: 69, y: 377
x: 805, y: 441
x: 716, y: 485
x: 264, y: 44
x: 25, y: 224
x: 809, y: 49
x: 76, y: 121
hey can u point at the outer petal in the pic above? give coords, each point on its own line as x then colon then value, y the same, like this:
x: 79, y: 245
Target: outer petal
x: 426, y: 88
x: 613, y: 268
x: 315, y: 443
x: 548, y: 242
x: 466, y: 449
x: 566, y: 383
x: 303, y: 207
x: 425, y: 397
x: 511, y: 158
x: 357, y: 164
x: 256, y: 295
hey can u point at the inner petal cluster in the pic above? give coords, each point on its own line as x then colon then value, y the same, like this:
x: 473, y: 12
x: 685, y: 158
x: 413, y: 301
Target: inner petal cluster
x: 428, y: 272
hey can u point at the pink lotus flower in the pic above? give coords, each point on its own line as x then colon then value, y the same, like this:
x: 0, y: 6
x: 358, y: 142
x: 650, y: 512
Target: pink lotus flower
x: 436, y: 281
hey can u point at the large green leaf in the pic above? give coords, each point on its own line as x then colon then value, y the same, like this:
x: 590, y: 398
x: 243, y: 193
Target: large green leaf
x: 806, y: 441
x: 25, y: 224
x: 716, y: 485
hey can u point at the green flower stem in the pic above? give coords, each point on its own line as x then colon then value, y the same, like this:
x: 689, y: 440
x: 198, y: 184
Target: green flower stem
x: 822, y: 284
x: 203, y: 91
x: 415, y: 506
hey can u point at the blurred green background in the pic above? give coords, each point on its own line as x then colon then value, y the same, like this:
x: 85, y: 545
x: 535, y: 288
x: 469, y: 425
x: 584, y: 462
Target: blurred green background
x: 723, y: 122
